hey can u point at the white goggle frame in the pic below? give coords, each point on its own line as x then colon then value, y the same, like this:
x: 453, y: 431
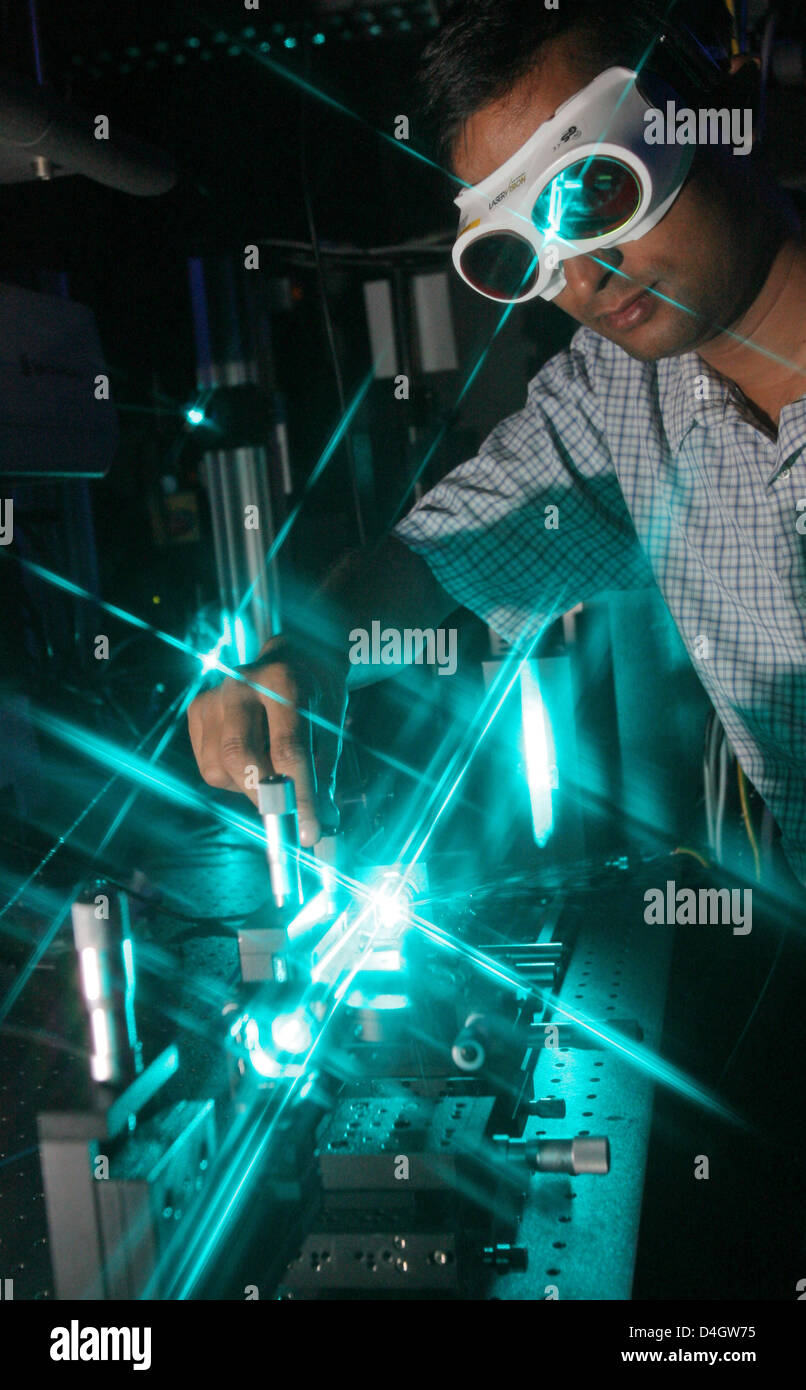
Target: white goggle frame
x: 604, y: 120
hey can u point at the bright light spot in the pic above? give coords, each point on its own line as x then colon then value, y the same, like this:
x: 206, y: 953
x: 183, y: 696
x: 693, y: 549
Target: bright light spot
x: 292, y: 1033
x: 359, y: 1000
x: 389, y: 909
x: 318, y: 38
x: 383, y: 960
x: 311, y: 913
x: 290, y: 42
x: 90, y: 974
x: 101, y: 1063
x: 263, y: 1063
x: 209, y: 660
x: 194, y: 415
x: 537, y: 739
x: 240, y: 640
x: 156, y: 599
x: 128, y: 961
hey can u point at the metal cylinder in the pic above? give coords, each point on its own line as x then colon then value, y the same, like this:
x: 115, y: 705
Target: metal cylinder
x: 277, y: 804
x: 548, y: 1108
x: 584, y: 1154
x: 233, y: 345
x: 103, y: 942
x: 469, y: 1051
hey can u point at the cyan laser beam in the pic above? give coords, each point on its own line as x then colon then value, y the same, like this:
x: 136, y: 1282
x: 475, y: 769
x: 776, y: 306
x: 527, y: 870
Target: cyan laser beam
x: 140, y: 771
x: 745, y: 341
x: 223, y: 1205
x: 490, y: 707
x: 211, y: 661
x: 103, y: 751
x: 318, y: 469
x: 242, y: 1168
x: 175, y: 712
x: 71, y: 829
x: 15, y: 1158
x: 450, y: 418
x: 324, y: 98
x: 641, y: 1057
x: 183, y: 702
x: 68, y: 586
x: 145, y: 776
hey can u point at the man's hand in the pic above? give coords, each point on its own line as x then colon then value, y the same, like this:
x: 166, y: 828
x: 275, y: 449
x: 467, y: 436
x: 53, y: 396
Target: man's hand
x: 240, y: 734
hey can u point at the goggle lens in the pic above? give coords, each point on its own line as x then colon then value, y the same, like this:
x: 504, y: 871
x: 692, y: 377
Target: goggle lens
x: 501, y: 265
x: 588, y: 199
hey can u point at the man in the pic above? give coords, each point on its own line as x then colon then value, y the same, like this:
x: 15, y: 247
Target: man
x: 670, y: 435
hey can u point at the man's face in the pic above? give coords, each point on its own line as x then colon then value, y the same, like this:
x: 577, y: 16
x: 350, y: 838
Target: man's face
x: 702, y: 260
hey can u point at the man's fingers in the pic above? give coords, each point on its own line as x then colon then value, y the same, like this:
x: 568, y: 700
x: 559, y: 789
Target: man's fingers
x: 195, y: 727
x: 203, y: 728
x: 291, y: 754
x: 242, y: 745
x: 240, y: 736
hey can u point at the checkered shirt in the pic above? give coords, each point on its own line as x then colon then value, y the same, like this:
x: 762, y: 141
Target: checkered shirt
x: 659, y: 472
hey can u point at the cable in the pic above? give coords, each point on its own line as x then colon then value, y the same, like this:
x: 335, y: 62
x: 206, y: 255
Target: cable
x: 766, y: 60
x: 743, y: 26
x: 723, y: 789
x: 432, y: 244
x: 38, y: 1035
x: 695, y: 854
x: 707, y: 775
x: 328, y: 317
x: 734, y: 37
x: 755, y: 1008
x: 165, y: 911
x: 748, y: 824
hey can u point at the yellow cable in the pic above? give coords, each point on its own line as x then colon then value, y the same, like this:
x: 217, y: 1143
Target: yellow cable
x: 684, y: 849
x: 734, y: 37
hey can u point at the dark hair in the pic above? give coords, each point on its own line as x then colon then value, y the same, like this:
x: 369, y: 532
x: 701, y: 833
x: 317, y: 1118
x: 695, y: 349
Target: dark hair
x: 484, y: 47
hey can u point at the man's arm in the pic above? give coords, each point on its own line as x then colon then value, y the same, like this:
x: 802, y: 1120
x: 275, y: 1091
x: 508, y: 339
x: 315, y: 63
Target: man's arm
x: 387, y: 583
x: 235, y: 727
x: 533, y: 524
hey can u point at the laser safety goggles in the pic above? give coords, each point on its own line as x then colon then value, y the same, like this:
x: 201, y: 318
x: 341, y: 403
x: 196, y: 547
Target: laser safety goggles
x: 584, y: 181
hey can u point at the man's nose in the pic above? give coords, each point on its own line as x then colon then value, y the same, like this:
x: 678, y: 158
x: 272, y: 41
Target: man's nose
x: 588, y: 275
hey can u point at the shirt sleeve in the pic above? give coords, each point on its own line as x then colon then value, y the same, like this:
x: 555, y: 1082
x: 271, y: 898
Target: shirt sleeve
x: 536, y: 522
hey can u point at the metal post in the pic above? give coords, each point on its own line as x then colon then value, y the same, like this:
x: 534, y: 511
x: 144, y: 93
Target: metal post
x: 232, y: 350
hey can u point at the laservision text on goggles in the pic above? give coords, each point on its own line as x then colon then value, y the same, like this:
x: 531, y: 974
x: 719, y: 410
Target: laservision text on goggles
x: 585, y: 180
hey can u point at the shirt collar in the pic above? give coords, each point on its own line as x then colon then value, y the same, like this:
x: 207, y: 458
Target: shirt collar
x: 691, y: 393
x: 792, y: 429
